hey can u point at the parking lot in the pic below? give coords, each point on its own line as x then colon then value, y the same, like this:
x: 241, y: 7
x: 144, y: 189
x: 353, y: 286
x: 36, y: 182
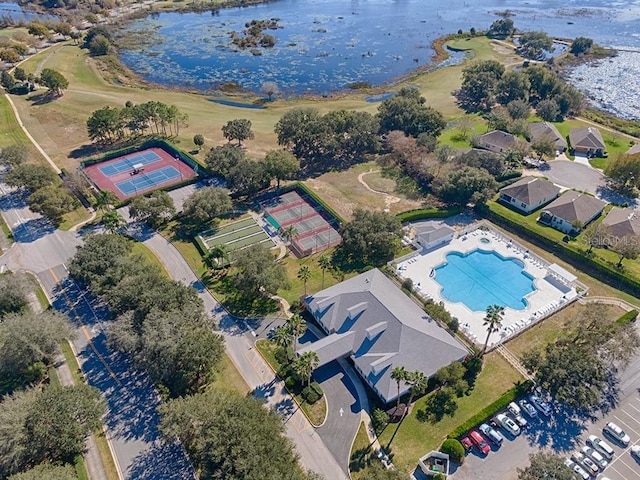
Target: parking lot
x: 563, y: 434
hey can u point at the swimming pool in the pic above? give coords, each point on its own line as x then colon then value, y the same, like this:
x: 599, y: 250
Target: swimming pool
x: 480, y: 278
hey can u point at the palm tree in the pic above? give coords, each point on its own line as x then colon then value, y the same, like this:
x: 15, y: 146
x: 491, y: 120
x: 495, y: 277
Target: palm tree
x: 290, y: 233
x: 105, y: 200
x: 297, y: 326
x: 418, y: 384
x: 217, y: 255
x: 306, y: 364
x: 304, y: 274
x: 399, y: 374
x: 493, y: 321
x: 324, y: 262
x: 113, y: 222
x: 283, y: 338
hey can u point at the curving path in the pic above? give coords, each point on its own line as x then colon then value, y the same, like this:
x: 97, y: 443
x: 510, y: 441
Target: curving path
x: 388, y: 199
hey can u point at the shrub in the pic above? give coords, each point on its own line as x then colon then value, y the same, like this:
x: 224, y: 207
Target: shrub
x: 627, y: 317
x: 439, y: 476
x: 315, y: 386
x: 290, y: 382
x: 281, y: 356
x: 454, y: 449
x: 407, y: 284
x: 422, y: 213
x: 379, y: 419
x: 310, y: 395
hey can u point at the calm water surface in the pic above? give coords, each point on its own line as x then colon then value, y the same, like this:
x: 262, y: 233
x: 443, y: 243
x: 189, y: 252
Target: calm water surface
x: 324, y: 45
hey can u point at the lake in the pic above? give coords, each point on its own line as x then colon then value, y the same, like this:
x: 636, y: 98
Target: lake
x: 325, y: 45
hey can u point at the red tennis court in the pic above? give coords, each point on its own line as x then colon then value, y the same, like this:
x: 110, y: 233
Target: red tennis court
x: 139, y: 172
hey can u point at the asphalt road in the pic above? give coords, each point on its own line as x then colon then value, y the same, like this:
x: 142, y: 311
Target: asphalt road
x: 132, y: 418
x: 239, y: 339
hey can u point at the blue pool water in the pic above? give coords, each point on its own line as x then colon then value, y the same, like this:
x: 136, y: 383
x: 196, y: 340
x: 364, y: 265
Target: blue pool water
x: 479, y: 279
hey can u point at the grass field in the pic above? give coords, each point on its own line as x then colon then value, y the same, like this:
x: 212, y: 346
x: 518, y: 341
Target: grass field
x: 414, y: 437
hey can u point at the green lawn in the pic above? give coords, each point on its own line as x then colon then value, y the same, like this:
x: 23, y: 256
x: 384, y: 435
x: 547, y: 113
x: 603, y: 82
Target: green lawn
x: 412, y: 438
x: 631, y: 267
x: 362, y: 455
x: 73, y: 218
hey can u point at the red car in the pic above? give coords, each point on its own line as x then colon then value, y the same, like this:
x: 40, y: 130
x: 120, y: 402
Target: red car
x: 479, y: 442
x: 466, y: 443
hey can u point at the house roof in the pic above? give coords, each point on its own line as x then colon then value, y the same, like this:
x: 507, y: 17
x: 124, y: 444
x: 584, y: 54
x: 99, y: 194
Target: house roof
x: 622, y: 222
x: 430, y: 230
x: 531, y: 190
x: 546, y: 130
x: 634, y: 150
x: 389, y: 330
x: 498, y: 138
x: 574, y: 206
x: 589, y: 137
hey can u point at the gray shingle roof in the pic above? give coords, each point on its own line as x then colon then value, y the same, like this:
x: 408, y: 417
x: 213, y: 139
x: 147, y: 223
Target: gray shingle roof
x: 531, y: 190
x: 546, y: 130
x: 430, y: 230
x: 499, y: 139
x: 574, y: 206
x: 390, y: 331
x: 622, y: 222
x: 634, y: 150
x: 589, y: 137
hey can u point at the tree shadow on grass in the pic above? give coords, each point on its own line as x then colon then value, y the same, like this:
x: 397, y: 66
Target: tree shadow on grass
x: 438, y: 405
x: 43, y: 98
x: 85, y: 150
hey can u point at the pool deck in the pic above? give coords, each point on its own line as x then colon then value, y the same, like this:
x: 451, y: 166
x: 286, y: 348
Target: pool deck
x: 550, y: 295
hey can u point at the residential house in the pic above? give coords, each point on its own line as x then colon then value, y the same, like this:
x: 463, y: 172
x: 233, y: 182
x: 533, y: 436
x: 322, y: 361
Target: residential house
x: 571, y: 211
x: 587, y: 141
x: 529, y: 193
x: 547, y: 131
x: 497, y: 141
x: 371, y: 320
x: 622, y: 222
x: 634, y: 150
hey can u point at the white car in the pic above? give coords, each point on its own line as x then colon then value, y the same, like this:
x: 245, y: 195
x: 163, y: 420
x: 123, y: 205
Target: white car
x: 541, y: 405
x: 528, y: 408
x: 491, y: 434
x: 635, y: 450
x: 586, y: 462
x: 577, y: 468
x: 600, y: 445
x: 595, y: 456
x: 516, y: 413
x: 617, y: 433
x: 508, y: 424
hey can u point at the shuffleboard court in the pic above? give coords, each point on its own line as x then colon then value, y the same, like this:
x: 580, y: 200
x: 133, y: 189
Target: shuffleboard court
x: 127, y: 163
x: 145, y: 181
x: 236, y: 236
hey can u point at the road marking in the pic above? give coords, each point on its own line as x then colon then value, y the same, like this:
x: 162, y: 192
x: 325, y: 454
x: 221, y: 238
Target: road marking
x: 85, y: 331
x: 341, y: 411
x: 625, y: 423
x: 255, y: 360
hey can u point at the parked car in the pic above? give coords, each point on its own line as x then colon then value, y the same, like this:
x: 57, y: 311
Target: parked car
x: 491, y: 434
x: 595, y: 456
x: 635, y: 451
x: 577, y: 468
x: 528, y: 408
x: 542, y: 406
x: 479, y: 442
x: 508, y: 424
x: 617, y: 433
x: 516, y: 414
x: 600, y: 445
x: 466, y: 443
x: 581, y: 459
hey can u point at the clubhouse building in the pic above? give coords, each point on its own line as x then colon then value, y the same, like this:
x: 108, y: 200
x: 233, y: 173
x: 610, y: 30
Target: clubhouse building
x: 370, y: 319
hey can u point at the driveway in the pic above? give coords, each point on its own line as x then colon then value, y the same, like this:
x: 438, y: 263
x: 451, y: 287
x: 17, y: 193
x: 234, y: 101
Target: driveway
x: 583, y: 177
